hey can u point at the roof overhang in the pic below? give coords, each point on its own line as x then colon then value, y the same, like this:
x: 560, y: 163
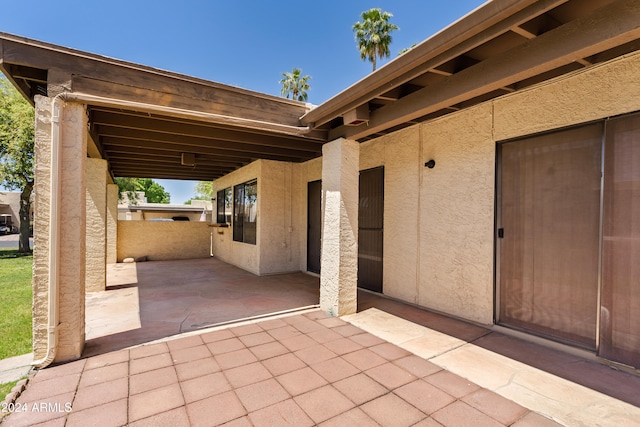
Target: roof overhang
x: 501, y: 47
x: 144, y: 120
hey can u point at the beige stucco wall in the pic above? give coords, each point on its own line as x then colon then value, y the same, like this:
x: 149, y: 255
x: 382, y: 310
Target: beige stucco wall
x: 163, y: 240
x: 399, y: 153
x: 277, y: 248
x: 440, y: 221
x: 604, y: 90
x: 278, y: 237
x: 112, y: 223
x: 456, y: 215
x: 96, y: 201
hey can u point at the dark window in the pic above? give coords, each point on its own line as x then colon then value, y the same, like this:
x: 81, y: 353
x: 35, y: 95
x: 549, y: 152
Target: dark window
x: 245, y: 212
x: 223, y: 201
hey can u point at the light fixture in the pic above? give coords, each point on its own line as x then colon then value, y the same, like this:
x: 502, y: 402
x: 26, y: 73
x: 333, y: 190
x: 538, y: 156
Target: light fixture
x: 188, y: 159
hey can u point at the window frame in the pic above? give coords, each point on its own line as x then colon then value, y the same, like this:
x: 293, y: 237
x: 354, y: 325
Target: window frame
x: 245, y: 230
x: 224, y: 206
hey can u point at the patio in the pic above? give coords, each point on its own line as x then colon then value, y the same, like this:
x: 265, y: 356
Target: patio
x: 389, y: 364
x: 152, y: 300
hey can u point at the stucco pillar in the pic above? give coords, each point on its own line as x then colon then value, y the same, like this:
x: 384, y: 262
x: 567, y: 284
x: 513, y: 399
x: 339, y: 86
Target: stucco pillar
x: 96, y: 238
x: 72, y: 223
x: 112, y: 223
x: 68, y: 250
x: 339, y: 255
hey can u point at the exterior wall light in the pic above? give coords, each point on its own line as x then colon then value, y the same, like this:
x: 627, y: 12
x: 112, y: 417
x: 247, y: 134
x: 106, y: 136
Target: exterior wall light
x: 430, y: 164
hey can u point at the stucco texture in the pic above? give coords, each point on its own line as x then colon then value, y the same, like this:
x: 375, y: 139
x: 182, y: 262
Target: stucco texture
x: 163, y: 240
x: 339, y: 254
x: 41, y: 224
x: 456, y: 216
x: 96, y: 224
x: 277, y: 248
x: 604, y: 90
x: 72, y: 220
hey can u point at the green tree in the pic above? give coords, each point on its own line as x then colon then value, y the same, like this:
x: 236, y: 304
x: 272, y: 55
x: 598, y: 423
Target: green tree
x: 154, y: 192
x: 203, y: 190
x: 17, y: 135
x: 373, y: 34
x: 295, y: 84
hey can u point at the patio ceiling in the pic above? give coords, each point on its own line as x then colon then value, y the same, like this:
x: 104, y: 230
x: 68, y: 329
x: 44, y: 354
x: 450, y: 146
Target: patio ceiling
x: 157, y: 124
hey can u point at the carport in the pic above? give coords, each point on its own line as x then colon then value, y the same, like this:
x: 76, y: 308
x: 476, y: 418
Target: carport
x: 98, y: 118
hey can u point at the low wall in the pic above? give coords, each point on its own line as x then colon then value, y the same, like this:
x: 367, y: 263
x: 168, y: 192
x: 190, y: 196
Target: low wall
x: 163, y: 240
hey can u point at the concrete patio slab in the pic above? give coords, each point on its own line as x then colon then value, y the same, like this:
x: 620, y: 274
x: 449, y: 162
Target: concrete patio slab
x: 554, y: 397
x: 150, y: 300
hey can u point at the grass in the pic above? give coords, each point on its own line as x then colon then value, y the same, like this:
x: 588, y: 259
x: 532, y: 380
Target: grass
x: 15, y: 303
x: 6, y: 389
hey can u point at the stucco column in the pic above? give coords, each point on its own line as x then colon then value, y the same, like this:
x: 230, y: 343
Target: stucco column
x: 72, y: 223
x: 96, y: 272
x: 59, y: 241
x: 112, y: 223
x: 339, y: 255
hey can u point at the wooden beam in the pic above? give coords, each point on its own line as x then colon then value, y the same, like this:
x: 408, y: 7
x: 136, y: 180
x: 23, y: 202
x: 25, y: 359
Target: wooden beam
x: 524, y: 33
x: 99, y: 75
x: 122, y: 159
x: 223, y: 153
x: 615, y: 24
x: 197, y: 129
x: 189, y: 141
x: 162, y: 174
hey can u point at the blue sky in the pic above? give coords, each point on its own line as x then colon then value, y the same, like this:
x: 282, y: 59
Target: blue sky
x: 241, y: 43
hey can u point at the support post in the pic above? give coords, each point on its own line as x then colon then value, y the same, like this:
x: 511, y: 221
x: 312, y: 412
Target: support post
x: 96, y: 189
x: 339, y: 256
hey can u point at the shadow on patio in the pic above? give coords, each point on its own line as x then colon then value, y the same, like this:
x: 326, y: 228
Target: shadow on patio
x: 152, y: 300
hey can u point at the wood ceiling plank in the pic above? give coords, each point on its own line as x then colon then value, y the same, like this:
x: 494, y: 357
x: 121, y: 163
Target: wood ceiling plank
x: 227, y: 154
x: 121, y: 159
x: 188, y: 142
x: 175, y: 127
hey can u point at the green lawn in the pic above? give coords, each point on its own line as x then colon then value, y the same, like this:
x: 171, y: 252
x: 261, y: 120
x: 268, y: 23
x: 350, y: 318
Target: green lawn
x: 15, y: 303
x: 6, y: 389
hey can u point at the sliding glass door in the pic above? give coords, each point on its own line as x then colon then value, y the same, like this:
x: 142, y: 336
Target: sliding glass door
x: 568, y: 240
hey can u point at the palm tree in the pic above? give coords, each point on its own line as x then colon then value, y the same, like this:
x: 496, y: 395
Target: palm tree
x: 295, y: 84
x: 373, y: 34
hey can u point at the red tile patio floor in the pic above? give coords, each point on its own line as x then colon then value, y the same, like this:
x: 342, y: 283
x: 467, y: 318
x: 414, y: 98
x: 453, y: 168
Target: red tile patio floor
x: 301, y: 370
